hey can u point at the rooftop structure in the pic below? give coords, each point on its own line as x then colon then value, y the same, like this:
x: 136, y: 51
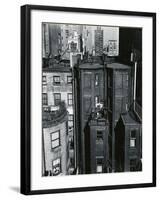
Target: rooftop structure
x: 52, y: 117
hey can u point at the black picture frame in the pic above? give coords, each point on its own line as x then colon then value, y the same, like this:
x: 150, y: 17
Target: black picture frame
x: 26, y: 98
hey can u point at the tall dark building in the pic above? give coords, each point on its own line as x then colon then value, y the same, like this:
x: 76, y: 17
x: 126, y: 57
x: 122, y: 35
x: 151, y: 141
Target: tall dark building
x: 128, y: 143
x: 96, y: 140
x: 91, y: 95
x: 130, y: 41
x: 52, y: 41
x: 98, y: 41
x: 118, y: 99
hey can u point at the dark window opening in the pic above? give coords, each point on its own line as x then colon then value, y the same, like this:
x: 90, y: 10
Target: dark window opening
x: 56, y: 164
x: 69, y: 79
x: 57, y: 98
x: 44, y: 99
x: 56, y: 80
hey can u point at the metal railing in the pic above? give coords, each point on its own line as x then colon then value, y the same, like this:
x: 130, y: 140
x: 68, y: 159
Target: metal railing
x: 52, y: 117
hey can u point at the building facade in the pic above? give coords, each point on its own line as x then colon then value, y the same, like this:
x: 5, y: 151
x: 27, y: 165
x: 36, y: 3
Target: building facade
x: 118, y: 99
x: 98, y: 41
x: 128, y: 143
x: 55, y: 142
x: 96, y: 140
x: 100, y: 129
x: 91, y: 95
x: 57, y: 88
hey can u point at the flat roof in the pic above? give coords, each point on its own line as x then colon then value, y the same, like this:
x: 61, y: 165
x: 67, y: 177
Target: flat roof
x: 129, y: 118
x: 91, y: 66
x: 57, y: 69
x: 118, y: 66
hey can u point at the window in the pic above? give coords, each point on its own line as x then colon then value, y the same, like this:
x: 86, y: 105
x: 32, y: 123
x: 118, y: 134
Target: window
x: 114, y: 46
x: 44, y: 99
x: 70, y: 99
x: 96, y: 79
x: 73, y: 46
x: 133, y: 163
x: 69, y: 79
x: 55, y: 139
x: 57, y: 98
x: 70, y: 117
x: 70, y: 121
x: 56, y: 80
x: 67, y: 150
x: 99, y: 136
x: 125, y: 81
x: 133, y: 138
x: 43, y: 80
x: 87, y: 104
x: 99, y: 163
x: 87, y: 80
x: 124, y: 104
x: 71, y: 144
x: 67, y: 33
x: 56, y: 164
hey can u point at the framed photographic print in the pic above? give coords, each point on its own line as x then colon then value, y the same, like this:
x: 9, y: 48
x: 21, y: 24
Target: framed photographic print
x: 88, y: 99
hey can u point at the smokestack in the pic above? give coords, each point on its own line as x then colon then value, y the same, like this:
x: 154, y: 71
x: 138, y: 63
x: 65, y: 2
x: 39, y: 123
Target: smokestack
x: 135, y: 81
x: 135, y: 56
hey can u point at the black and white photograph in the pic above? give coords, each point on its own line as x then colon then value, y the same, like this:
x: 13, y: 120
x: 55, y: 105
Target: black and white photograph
x: 80, y: 100
x: 91, y: 99
x: 88, y: 99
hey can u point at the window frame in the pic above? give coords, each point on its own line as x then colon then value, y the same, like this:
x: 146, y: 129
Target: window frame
x: 87, y: 80
x: 99, y: 133
x: 46, y: 100
x: 44, y: 82
x: 70, y: 126
x: 56, y: 82
x: 58, y: 138
x: 69, y: 82
x: 57, y: 165
x: 73, y: 46
x: 99, y: 164
x: 132, y: 164
x: 68, y: 99
x: 55, y: 100
x: 70, y: 115
x: 131, y: 138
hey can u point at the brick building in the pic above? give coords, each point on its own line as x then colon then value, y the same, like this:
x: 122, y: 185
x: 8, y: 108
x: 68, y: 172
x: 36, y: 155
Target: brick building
x: 57, y: 87
x: 96, y: 140
x: 118, y: 99
x: 90, y: 96
x: 55, y: 142
x: 102, y: 125
x: 98, y: 41
x: 128, y: 143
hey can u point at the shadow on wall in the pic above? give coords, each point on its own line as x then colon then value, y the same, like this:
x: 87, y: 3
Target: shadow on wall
x: 14, y: 188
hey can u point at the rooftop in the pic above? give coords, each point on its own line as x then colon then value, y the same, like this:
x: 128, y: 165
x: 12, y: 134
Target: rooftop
x: 129, y: 118
x: 51, y: 118
x: 91, y: 66
x: 57, y: 66
x: 99, y: 115
x: 118, y: 66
